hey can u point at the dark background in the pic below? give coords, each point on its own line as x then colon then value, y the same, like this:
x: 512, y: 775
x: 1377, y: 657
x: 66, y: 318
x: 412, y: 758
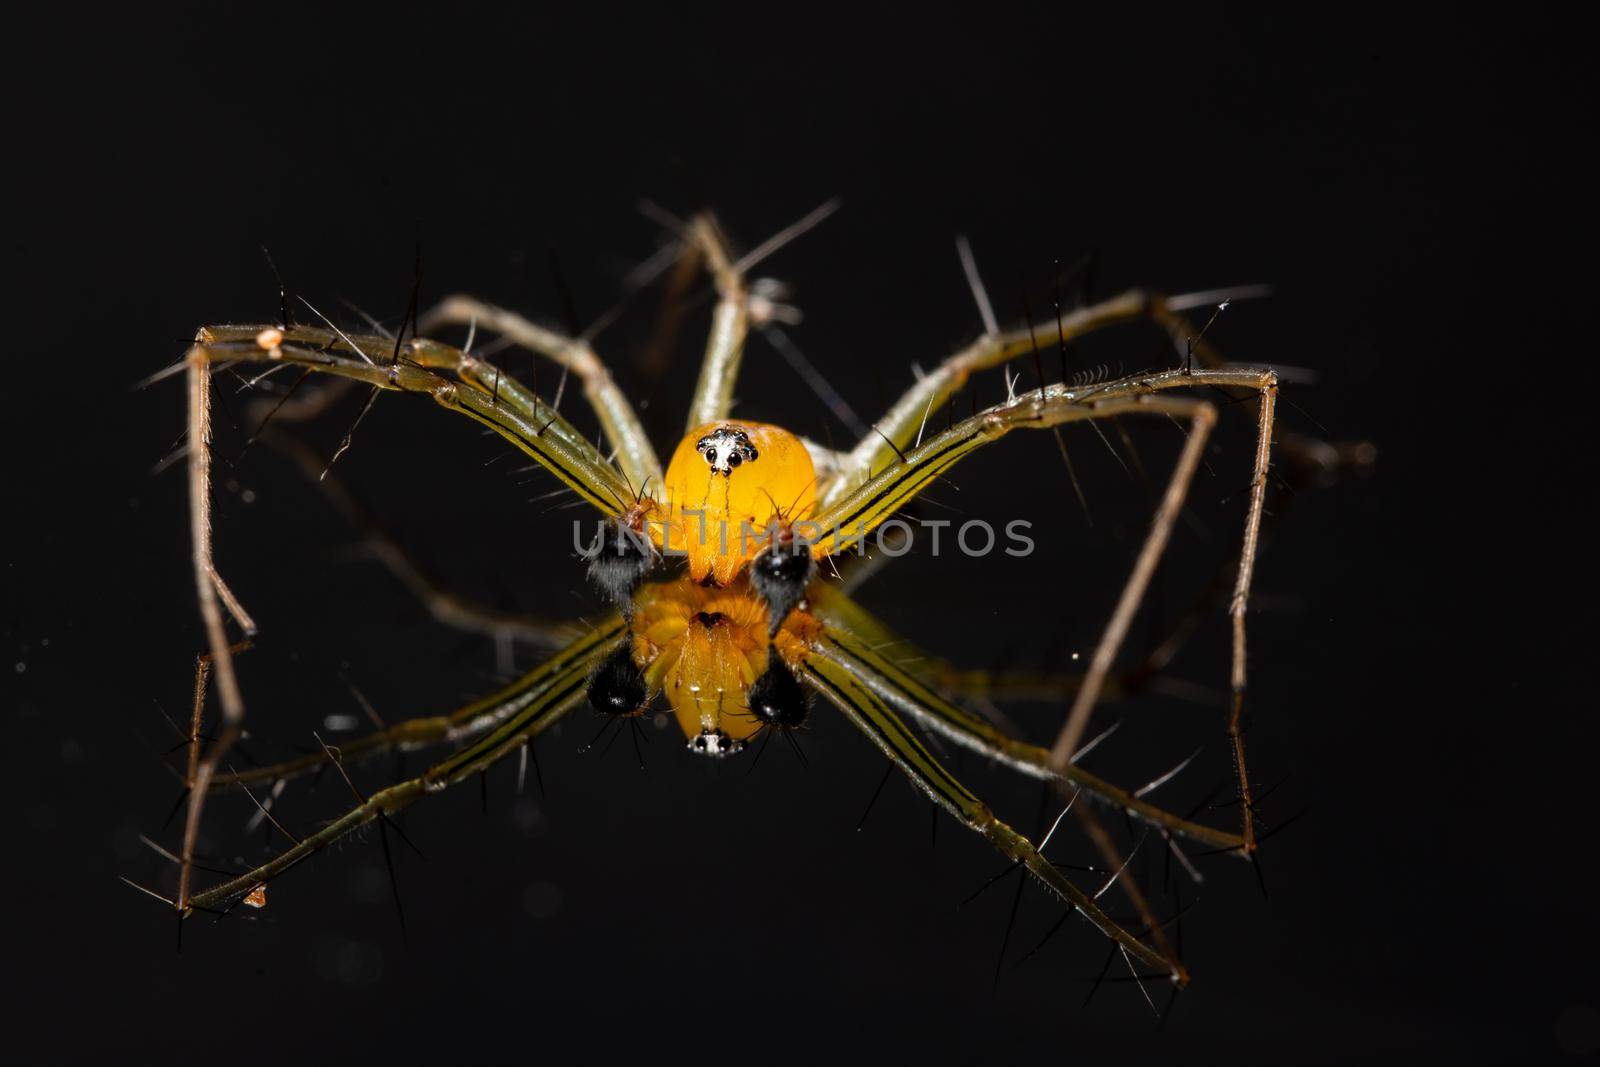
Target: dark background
x: 1407, y: 189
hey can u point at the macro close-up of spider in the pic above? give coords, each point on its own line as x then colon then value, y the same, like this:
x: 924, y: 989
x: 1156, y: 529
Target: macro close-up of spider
x: 748, y: 628
x: 579, y: 542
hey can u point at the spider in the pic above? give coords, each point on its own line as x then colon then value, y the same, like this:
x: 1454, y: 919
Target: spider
x: 740, y: 637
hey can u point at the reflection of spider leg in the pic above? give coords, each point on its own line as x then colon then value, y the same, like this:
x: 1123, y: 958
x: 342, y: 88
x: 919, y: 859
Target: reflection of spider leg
x: 1013, y: 684
x: 620, y: 424
x: 898, y: 689
x: 467, y: 721
x: 873, y: 716
x: 851, y: 518
x: 524, y: 421
x: 446, y: 607
x: 501, y: 723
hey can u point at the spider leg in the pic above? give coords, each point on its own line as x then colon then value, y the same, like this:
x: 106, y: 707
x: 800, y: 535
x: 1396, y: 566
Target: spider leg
x: 1133, y: 593
x: 208, y: 584
x: 905, y: 423
x: 501, y: 725
x: 730, y: 325
x: 621, y: 425
x: 424, y: 367
x: 1240, y: 603
x: 833, y: 603
x: 1203, y: 416
x: 713, y: 397
x: 871, y: 714
x: 497, y: 392
x: 463, y: 723
x: 454, y: 379
x: 737, y: 307
x: 850, y: 519
x: 846, y: 651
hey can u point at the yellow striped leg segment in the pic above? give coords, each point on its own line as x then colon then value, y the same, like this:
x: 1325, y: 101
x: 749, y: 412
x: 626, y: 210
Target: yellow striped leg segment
x: 618, y: 421
x: 897, y: 688
x: 504, y: 722
x: 872, y: 715
x: 451, y: 378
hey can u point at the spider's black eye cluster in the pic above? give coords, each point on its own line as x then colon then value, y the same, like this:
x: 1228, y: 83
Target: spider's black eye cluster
x: 618, y: 688
x: 714, y: 743
x: 780, y: 575
x: 619, y: 559
x: 777, y: 698
x: 726, y: 448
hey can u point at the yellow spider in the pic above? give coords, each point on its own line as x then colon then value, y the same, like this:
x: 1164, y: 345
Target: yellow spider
x: 739, y: 636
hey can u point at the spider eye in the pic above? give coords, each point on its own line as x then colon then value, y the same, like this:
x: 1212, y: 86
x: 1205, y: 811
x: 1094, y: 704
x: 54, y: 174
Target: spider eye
x: 617, y: 688
x: 780, y: 575
x: 735, y: 459
x: 777, y: 698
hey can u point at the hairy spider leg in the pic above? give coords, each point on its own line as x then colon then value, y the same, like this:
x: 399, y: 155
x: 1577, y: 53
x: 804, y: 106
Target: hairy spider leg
x: 874, y: 718
x: 618, y: 421
x: 448, y: 375
x: 502, y: 724
x: 853, y: 517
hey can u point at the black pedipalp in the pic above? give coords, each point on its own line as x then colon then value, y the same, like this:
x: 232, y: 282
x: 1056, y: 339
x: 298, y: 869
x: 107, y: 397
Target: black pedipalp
x: 780, y: 574
x: 619, y: 559
x: 777, y: 698
x: 617, y: 687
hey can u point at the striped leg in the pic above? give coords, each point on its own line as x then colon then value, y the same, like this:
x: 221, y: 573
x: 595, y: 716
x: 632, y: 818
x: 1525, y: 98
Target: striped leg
x: 620, y: 424
x: 447, y: 375
x: 500, y: 725
x: 903, y: 425
x: 845, y: 649
x: 848, y: 521
x: 872, y: 715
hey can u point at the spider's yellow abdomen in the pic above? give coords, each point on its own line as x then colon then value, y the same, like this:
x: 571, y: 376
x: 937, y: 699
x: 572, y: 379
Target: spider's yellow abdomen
x: 726, y: 484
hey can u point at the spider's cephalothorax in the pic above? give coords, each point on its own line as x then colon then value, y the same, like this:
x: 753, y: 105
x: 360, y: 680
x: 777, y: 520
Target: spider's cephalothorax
x: 708, y: 650
x: 729, y: 486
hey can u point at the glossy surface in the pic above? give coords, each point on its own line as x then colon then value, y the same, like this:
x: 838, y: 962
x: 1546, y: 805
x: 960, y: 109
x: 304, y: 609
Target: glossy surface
x: 719, y: 505
x: 704, y: 646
